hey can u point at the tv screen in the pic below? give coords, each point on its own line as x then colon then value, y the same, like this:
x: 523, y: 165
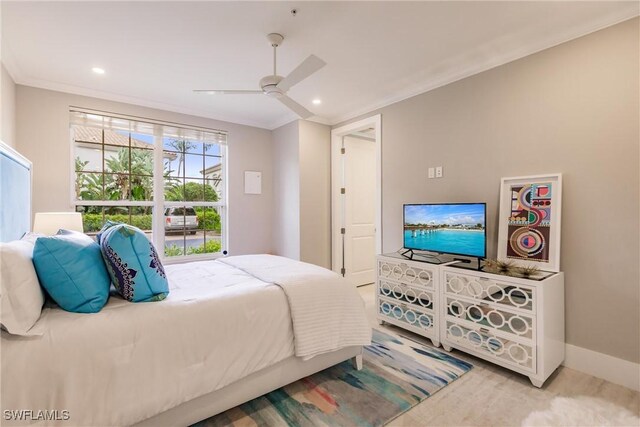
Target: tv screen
x: 451, y: 228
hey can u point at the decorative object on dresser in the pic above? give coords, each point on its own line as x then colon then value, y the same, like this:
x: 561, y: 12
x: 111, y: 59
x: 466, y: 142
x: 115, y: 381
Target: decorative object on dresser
x: 407, y: 295
x: 530, y: 213
x: 507, y: 319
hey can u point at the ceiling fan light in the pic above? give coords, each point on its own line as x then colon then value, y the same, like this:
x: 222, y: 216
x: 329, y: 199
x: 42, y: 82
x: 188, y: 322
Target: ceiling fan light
x: 272, y: 91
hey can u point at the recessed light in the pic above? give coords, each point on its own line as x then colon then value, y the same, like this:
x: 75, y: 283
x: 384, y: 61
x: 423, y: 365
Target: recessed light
x: 317, y: 101
x: 98, y: 70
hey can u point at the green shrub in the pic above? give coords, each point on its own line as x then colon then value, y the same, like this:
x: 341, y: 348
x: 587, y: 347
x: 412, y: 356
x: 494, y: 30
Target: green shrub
x: 208, y: 220
x: 94, y: 222
x: 173, y: 250
x: 209, y: 247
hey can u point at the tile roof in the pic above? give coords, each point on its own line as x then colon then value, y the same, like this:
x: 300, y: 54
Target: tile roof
x: 94, y: 135
x: 91, y: 134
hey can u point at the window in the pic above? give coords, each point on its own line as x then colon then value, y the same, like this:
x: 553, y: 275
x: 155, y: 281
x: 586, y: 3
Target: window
x: 165, y: 179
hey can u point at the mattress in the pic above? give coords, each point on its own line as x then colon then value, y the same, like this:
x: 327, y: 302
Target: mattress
x: 131, y: 361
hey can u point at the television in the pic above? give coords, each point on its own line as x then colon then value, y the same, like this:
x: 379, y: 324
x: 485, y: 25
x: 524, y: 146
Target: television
x: 446, y: 228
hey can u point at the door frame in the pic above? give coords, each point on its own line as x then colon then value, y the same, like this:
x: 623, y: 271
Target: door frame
x: 336, y: 183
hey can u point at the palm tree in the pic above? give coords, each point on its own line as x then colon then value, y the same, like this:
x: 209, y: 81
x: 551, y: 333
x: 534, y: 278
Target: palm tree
x: 88, y: 185
x: 131, y: 175
x: 181, y: 146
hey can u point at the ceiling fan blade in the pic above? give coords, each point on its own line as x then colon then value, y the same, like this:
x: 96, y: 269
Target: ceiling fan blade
x: 295, y: 107
x: 301, y: 72
x: 228, y: 92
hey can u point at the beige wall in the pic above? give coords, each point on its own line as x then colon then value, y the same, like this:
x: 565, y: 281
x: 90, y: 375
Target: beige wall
x: 302, y: 187
x: 315, y: 193
x: 7, y: 108
x: 42, y: 131
x: 286, y: 189
x: 573, y: 109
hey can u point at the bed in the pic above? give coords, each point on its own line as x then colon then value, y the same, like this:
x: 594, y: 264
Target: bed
x: 223, y: 336
x: 229, y: 331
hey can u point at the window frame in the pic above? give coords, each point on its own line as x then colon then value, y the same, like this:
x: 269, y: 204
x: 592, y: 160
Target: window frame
x: 159, y: 204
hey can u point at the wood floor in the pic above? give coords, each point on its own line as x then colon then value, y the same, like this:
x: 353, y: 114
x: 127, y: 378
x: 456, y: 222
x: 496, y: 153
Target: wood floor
x: 489, y: 395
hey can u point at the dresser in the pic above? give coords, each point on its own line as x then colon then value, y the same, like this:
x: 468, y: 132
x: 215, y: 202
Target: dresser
x: 517, y: 323
x: 408, y: 294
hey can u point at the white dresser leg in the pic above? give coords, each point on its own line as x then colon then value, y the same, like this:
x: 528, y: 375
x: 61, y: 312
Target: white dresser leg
x: 380, y: 322
x: 357, y: 362
x: 435, y: 342
x: 536, y: 382
x: 446, y: 347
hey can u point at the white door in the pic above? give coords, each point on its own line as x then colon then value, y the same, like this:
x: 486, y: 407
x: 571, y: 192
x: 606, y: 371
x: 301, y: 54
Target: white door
x: 359, y: 199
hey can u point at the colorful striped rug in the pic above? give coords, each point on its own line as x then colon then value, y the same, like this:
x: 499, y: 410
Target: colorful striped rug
x: 397, y: 375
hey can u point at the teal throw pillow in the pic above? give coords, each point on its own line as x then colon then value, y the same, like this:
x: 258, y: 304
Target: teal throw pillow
x: 70, y: 268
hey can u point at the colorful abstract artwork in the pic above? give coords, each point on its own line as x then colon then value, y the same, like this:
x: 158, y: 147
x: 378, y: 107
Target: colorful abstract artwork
x: 529, y: 223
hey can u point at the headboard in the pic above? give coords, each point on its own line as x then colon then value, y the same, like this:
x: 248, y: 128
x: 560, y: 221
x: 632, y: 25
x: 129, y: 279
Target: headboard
x: 15, y: 194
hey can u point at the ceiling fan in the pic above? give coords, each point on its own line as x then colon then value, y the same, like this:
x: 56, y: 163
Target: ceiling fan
x: 277, y: 86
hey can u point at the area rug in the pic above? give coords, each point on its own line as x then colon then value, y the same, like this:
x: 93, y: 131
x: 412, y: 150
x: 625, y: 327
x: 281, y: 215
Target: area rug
x: 397, y: 374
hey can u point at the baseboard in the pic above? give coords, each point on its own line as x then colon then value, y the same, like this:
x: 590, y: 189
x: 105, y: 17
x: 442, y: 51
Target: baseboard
x: 610, y: 368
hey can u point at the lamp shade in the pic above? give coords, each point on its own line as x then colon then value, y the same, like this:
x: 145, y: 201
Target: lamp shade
x: 49, y: 223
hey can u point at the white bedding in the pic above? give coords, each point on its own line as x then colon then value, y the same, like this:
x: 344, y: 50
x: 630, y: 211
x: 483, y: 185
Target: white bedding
x: 131, y: 361
x: 327, y: 311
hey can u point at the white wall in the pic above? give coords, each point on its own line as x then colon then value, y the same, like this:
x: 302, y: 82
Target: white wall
x: 286, y: 188
x: 42, y: 135
x: 315, y: 193
x: 7, y: 108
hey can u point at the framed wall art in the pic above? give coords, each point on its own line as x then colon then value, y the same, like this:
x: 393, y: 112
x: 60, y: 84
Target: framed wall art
x: 530, y: 215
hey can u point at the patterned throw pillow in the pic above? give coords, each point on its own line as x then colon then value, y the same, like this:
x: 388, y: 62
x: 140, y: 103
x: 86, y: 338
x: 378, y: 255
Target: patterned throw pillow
x: 133, y: 264
x: 107, y: 225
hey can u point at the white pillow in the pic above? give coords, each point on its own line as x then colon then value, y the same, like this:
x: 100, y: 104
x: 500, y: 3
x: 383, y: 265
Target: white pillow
x: 21, y: 297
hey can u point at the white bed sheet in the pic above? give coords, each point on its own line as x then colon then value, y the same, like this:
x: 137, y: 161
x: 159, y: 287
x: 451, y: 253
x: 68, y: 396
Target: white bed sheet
x: 217, y: 325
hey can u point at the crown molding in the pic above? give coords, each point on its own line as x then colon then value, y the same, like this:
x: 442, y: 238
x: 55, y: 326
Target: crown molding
x: 20, y: 78
x: 291, y: 118
x: 495, y: 61
x: 142, y: 102
x: 443, y: 79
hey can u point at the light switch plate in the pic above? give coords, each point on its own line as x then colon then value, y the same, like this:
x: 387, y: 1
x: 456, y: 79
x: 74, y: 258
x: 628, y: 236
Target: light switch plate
x: 432, y: 173
x: 439, y: 172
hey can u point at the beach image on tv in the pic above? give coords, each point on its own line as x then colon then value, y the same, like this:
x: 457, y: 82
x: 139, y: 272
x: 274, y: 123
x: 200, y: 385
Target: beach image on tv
x: 457, y: 229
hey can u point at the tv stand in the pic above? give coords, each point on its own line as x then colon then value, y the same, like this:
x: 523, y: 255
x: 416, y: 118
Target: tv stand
x: 408, y: 251
x: 468, y: 261
x: 413, y: 254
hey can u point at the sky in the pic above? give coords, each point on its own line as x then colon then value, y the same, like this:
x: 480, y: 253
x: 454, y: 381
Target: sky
x: 193, y: 159
x: 470, y: 214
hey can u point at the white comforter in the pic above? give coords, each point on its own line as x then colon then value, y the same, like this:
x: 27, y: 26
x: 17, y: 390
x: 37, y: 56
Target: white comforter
x: 327, y: 311
x: 132, y: 361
